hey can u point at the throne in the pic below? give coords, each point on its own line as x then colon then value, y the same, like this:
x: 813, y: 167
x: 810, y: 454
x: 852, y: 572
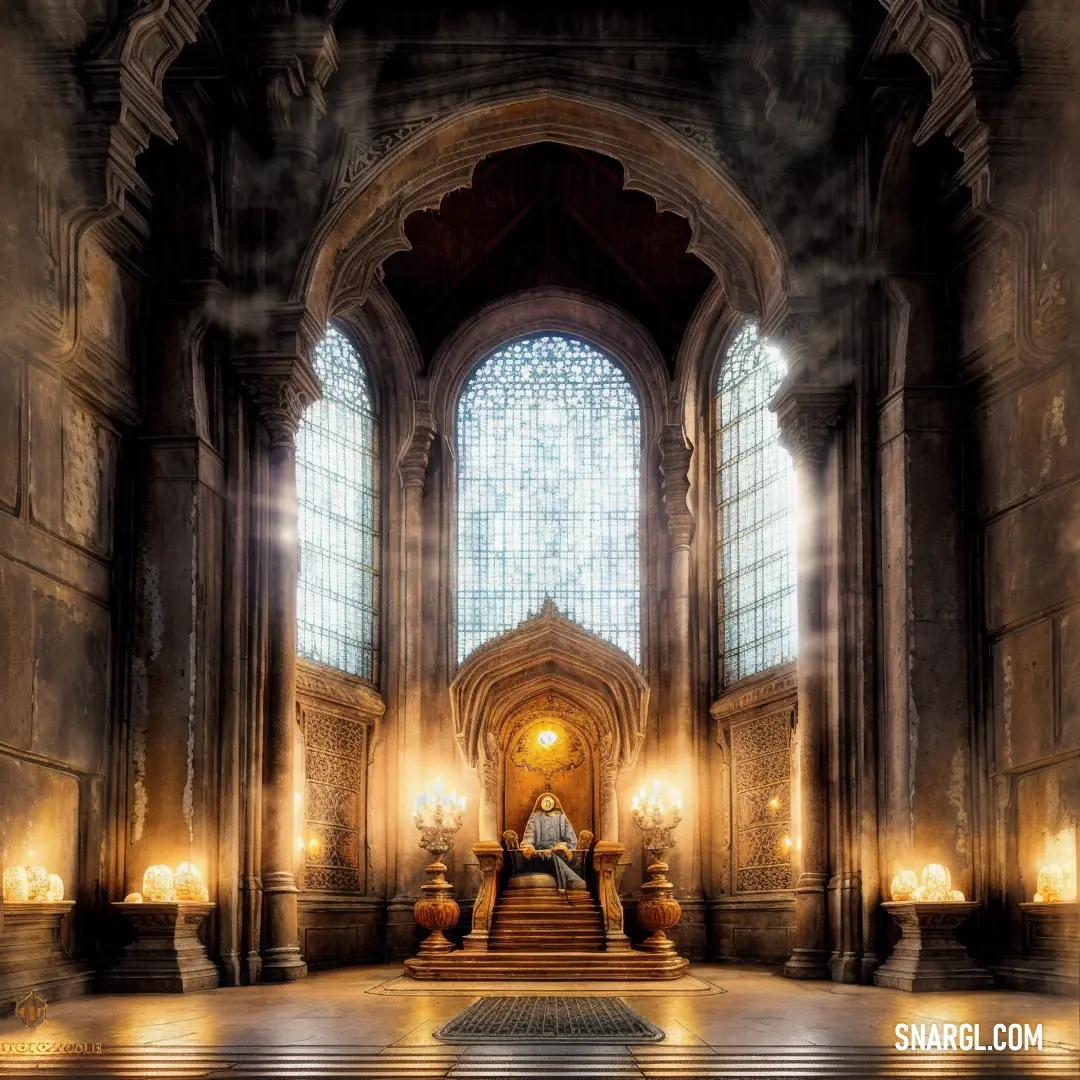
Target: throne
x: 523, y: 873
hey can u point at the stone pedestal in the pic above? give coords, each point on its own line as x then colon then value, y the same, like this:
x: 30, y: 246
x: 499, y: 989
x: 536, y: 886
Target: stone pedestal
x: 1050, y: 961
x: 166, y: 955
x: 34, y: 954
x: 928, y: 956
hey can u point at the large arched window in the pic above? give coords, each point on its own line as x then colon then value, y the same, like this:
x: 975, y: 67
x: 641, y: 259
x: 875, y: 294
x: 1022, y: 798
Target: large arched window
x: 755, y: 489
x: 549, y: 454
x: 337, y: 482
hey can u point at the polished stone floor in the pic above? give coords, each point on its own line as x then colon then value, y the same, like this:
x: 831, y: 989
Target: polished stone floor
x: 369, y: 1021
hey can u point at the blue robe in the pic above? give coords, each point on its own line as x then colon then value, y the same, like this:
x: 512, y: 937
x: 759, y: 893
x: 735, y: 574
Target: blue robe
x: 543, y: 832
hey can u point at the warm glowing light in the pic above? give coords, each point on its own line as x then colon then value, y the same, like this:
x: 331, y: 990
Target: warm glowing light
x: 188, y: 883
x: 56, y: 889
x: 438, y: 786
x: 774, y: 803
x: 787, y: 841
x: 547, y: 738
x: 37, y: 879
x: 1051, y: 885
x: 1057, y: 877
x: 16, y: 886
x: 904, y: 885
x: 936, y: 885
x: 133, y: 898
x: 157, y: 884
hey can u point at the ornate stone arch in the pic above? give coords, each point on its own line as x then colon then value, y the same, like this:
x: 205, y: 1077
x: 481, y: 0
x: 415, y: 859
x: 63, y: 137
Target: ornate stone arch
x: 366, y: 221
x: 549, y: 654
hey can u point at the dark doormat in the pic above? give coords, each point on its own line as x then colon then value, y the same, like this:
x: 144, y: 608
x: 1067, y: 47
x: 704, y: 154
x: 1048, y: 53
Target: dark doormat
x: 533, y: 1019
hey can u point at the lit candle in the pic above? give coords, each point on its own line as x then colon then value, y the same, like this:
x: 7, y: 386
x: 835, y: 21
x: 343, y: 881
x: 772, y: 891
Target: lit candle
x: 16, y: 886
x: 438, y: 787
x: 56, y: 889
x: 188, y: 883
x: 157, y: 883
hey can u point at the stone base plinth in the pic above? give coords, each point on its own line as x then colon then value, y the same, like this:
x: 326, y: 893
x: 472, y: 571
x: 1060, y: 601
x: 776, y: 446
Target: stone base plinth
x: 1050, y: 959
x: 623, y: 965
x: 34, y: 956
x: 928, y: 956
x: 166, y: 955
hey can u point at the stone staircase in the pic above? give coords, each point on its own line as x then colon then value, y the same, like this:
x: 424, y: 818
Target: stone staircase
x: 543, y: 934
x: 538, y: 920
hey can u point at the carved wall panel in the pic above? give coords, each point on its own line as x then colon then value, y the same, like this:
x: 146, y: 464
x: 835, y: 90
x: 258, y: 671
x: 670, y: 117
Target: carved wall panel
x: 761, y: 790
x: 337, y: 713
x: 333, y: 799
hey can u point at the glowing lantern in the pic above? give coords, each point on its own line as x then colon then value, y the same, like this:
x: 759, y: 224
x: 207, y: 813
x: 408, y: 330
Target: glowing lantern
x: 1051, y: 885
x: 936, y: 882
x: 37, y: 878
x: 157, y: 884
x: 904, y: 885
x: 56, y: 889
x: 16, y: 886
x: 189, y: 884
x: 133, y: 898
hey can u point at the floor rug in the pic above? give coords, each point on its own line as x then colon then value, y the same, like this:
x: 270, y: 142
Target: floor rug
x: 538, y: 1019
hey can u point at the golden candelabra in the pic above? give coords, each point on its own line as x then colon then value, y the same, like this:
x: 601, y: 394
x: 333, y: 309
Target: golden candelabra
x: 659, y: 911
x: 437, y: 821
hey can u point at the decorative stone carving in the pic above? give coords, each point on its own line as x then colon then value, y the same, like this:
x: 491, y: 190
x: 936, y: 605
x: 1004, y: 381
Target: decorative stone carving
x: 298, y: 57
x: 413, y: 463
x: 358, y: 233
x: 928, y: 956
x: 761, y: 693
x: 362, y: 154
x: 761, y: 760
x: 549, y: 653
x: 491, y: 766
x: 806, y: 415
x: 489, y: 855
x: 676, y: 454
x: 606, y: 856
x: 166, y: 955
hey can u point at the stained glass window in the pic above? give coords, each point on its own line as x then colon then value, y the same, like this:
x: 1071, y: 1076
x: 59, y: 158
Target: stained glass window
x: 549, y: 456
x: 337, y: 470
x: 755, y: 487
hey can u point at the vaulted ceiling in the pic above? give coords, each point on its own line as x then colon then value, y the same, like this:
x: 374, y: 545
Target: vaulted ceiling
x: 547, y: 215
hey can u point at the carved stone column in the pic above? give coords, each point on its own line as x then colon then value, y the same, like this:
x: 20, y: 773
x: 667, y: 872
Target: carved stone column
x: 806, y: 415
x: 412, y: 469
x: 679, y: 743
x: 283, y: 384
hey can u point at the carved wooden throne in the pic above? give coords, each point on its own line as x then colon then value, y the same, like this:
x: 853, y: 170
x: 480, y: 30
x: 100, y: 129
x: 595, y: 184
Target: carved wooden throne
x: 548, y: 707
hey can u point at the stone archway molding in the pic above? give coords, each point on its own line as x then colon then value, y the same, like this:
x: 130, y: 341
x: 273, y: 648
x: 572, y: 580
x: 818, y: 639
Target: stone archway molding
x: 549, y: 653
x: 366, y: 222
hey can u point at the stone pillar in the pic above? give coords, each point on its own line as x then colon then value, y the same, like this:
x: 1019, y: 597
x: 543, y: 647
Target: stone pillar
x: 277, y: 373
x: 176, y: 648
x: 281, y: 952
x: 679, y: 742
x: 409, y: 858
x: 806, y: 415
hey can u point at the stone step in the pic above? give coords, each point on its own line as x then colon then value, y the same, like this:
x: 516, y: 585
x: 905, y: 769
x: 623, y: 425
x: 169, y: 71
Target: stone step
x: 542, y: 964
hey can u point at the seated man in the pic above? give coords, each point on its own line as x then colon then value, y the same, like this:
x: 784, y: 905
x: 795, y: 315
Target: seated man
x: 548, y: 842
